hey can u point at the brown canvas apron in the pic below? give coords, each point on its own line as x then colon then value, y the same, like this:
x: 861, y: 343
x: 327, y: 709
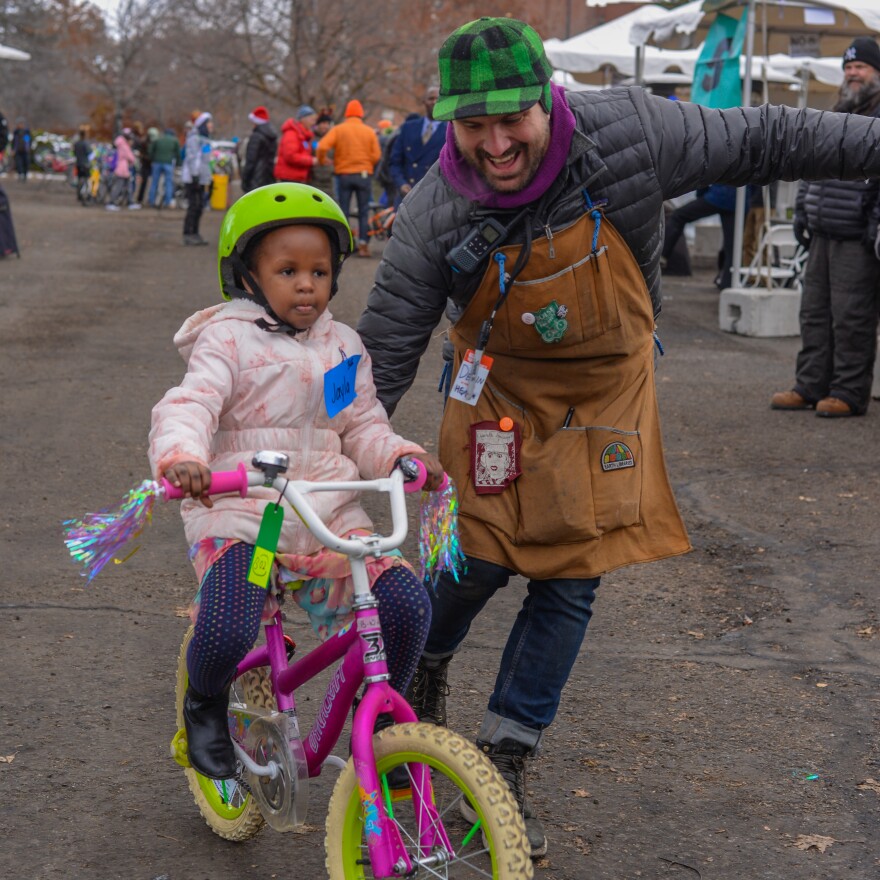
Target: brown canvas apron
x: 593, y: 496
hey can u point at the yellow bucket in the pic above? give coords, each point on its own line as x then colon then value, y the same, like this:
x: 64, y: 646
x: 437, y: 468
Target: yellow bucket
x: 220, y: 192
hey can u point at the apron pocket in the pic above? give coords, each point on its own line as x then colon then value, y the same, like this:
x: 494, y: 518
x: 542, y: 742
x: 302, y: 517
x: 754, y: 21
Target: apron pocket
x: 555, y: 499
x: 586, y: 308
x: 616, y: 468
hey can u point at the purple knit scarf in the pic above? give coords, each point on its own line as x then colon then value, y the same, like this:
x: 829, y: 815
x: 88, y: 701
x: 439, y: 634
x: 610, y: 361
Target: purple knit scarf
x: 468, y: 183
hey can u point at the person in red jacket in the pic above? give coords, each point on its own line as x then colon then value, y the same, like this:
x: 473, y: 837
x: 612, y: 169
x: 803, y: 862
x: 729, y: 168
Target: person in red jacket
x: 295, y: 159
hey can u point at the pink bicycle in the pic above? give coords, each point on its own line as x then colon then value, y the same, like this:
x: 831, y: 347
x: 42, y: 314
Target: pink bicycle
x: 374, y: 830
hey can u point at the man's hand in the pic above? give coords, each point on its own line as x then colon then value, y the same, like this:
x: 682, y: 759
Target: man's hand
x: 193, y: 478
x: 405, y: 189
x: 433, y: 467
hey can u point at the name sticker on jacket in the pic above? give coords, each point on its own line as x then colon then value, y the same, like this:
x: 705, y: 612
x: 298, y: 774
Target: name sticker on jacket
x: 468, y: 384
x: 339, y: 385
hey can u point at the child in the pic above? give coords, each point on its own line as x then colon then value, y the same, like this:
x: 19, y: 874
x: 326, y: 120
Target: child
x: 256, y: 367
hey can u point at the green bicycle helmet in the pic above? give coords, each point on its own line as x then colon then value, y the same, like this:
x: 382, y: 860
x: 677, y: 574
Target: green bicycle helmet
x: 268, y: 207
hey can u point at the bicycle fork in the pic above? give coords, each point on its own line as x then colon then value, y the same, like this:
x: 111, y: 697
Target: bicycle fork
x: 388, y: 853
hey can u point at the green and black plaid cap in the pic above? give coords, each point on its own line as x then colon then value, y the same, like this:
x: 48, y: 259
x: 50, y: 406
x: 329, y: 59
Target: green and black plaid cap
x: 492, y: 66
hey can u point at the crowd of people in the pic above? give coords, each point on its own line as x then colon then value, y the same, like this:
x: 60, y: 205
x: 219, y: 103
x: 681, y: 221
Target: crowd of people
x: 355, y: 163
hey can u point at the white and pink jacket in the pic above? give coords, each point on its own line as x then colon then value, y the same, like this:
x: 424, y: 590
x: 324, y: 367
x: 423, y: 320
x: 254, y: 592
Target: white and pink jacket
x: 246, y: 390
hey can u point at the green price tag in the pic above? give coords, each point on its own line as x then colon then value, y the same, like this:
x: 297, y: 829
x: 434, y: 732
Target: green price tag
x: 267, y: 544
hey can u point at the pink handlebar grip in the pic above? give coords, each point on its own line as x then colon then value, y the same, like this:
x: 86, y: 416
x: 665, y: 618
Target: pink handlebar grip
x: 420, y: 480
x: 222, y: 483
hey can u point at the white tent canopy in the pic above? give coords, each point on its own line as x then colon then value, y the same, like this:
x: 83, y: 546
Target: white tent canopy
x: 609, y: 45
x: 823, y: 18
x: 7, y: 53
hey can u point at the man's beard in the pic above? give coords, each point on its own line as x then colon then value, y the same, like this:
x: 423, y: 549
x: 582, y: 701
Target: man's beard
x: 855, y: 100
x: 535, y: 153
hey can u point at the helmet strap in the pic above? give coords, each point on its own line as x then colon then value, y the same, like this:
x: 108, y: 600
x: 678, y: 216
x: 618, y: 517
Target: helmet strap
x: 256, y: 294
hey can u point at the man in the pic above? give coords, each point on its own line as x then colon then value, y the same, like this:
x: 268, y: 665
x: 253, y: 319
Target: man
x: 573, y: 185
x: 839, y: 305
x: 712, y: 200
x: 356, y: 151
x: 164, y: 154
x: 259, y: 158
x: 417, y: 147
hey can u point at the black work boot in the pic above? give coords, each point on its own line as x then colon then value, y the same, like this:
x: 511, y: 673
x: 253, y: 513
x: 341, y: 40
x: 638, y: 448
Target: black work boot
x: 209, y: 745
x: 428, y: 690
x: 509, y: 758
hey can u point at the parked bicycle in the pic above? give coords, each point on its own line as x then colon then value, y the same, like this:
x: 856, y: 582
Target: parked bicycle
x: 396, y: 809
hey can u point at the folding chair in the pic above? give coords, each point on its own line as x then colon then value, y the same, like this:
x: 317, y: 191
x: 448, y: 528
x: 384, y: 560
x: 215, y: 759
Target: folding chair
x: 779, y: 260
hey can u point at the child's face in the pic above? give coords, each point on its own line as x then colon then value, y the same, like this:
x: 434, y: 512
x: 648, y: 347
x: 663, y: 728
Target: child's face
x: 294, y: 271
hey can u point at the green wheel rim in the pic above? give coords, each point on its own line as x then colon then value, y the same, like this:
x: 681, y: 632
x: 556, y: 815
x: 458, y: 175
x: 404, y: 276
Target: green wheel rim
x: 353, y: 829
x: 212, y: 789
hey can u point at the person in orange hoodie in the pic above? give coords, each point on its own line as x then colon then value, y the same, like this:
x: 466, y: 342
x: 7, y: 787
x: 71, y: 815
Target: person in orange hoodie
x: 295, y: 159
x: 356, y: 152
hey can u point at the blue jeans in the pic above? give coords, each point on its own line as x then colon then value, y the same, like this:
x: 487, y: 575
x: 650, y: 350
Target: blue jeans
x: 361, y: 187
x: 541, y: 648
x: 166, y: 170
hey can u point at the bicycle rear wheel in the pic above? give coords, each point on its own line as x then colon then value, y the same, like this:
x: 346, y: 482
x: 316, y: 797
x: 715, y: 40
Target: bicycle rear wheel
x: 229, y: 809
x: 498, y: 848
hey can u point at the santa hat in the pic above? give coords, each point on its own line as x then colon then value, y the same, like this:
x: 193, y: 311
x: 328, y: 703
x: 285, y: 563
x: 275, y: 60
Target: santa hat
x: 201, y: 119
x: 259, y: 115
x: 354, y: 108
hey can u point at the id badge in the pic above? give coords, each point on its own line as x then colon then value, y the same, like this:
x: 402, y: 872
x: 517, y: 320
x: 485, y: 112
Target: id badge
x: 468, y: 384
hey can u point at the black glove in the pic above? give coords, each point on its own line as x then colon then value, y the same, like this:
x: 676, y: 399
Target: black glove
x: 801, y: 233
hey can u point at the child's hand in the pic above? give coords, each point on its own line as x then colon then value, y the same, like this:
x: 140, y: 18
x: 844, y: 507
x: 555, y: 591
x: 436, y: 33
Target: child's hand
x: 191, y: 476
x: 433, y: 467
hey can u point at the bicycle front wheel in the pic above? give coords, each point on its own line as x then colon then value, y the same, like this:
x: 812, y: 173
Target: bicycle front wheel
x: 497, y: 847
x: 227, y: 806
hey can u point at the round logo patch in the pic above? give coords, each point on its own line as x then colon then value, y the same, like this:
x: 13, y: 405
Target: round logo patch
x: 616, y: 456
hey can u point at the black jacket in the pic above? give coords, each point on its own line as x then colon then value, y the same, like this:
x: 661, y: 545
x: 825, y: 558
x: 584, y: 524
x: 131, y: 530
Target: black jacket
x: 630, y: 148
x: 259, y: 160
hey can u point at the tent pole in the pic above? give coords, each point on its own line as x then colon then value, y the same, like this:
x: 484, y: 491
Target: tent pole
x: 739, y: 214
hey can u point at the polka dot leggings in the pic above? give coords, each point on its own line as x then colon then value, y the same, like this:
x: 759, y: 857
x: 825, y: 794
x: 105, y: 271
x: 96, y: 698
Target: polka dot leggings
x: 231, y: 609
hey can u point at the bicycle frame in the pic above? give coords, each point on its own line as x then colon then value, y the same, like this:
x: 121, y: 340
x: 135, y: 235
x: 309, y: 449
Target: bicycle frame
x: 361, y: 650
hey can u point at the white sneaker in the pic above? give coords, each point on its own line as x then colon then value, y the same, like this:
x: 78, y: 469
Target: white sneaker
x: 134, y: 206
x: 111, y: 207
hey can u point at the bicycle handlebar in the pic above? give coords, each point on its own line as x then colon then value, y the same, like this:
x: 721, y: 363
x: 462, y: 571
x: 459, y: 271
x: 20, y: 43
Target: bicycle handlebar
x: 222, y: 482
x: 229, y: 482
x: 239, y: 480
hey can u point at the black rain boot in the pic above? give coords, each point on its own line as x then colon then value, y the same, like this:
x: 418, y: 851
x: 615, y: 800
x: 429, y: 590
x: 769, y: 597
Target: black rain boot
x: 209, y: 745
x: 509, y: 758
x: 428, y: 690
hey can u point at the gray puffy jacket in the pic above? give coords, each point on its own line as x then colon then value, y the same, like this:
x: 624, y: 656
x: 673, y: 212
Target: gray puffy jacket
x: 838, y: 209
x: 631, y: 149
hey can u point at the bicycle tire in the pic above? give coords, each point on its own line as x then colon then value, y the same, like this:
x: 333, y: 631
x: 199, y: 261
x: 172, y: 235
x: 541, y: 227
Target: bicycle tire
x: 239, y: 819
x: 457, y: 770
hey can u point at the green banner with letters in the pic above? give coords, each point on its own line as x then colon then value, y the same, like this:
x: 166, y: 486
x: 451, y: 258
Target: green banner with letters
x: 717, y: 81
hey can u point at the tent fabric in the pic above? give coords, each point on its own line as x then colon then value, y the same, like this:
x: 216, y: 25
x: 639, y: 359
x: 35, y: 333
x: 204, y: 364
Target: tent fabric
x: 663, y: 24
x: 608, y: 44
x: 7, y: 53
